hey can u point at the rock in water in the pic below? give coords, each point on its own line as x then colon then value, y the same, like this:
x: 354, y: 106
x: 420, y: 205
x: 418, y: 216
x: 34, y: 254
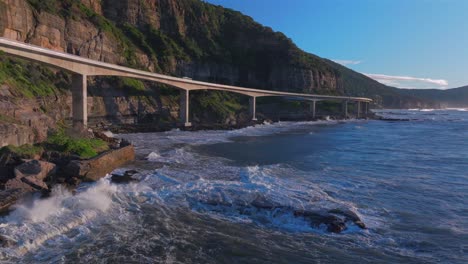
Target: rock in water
x: 6, y: 242
x: 334, y: 224
x: 349, y: 216
x: 9, y: 198
x: 335, y: 219
x: 97, y: 167
x: 126, y: 178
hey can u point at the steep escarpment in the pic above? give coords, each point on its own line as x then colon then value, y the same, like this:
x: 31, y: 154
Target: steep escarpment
x: 181, y: 38
x: 185, y: 38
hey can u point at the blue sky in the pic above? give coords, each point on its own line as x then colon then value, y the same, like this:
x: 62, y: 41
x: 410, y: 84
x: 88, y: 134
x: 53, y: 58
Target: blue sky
x: 403, y: 43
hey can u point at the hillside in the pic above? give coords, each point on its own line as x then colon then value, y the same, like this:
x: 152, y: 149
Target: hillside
x: 176, y: 37
x: 456, y: 97
x: 384, y: 96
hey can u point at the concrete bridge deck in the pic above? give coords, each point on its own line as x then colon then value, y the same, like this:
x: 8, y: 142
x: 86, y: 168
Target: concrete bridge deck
x: 83, y: 67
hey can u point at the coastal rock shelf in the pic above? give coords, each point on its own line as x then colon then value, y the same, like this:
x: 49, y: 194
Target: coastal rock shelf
x: 23, y: 177
x: 96, y: 168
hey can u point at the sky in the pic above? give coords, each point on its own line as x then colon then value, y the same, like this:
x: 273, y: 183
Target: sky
x: 401, y: 43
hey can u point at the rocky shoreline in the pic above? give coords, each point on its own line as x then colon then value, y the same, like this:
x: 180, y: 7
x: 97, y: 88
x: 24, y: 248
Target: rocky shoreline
x: 21, y: 177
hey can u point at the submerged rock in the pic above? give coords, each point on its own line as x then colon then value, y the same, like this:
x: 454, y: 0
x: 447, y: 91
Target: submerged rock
x: 334, y: 224
x: 257, y: 207
x: 349, y: 216
x: 127, y: 177
x: 6, y: 242
x: 334, y: 219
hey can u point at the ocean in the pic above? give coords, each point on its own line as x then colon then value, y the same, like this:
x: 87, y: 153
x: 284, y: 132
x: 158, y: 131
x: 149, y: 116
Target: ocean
x: 234, y: 197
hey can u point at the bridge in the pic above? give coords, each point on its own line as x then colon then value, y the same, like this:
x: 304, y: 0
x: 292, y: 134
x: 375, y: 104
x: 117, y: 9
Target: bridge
x: 82, y: 67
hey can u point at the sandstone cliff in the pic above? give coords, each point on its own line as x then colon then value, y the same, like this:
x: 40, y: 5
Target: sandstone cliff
x: 198, y: 40
x: 176, y: 37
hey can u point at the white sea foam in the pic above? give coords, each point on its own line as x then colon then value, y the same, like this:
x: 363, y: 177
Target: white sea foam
x: 108, y: 134
x: 30, y: 225
x: 457, y: 109
x: 153, y: 156
x: 206, y: 185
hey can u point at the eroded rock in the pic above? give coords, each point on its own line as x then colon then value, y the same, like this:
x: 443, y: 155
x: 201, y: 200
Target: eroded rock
x: 334, y: 219
x: 35, y: 169
x: 9, y: 198
x: 98, y: 167
x: 30, y: 176
x: 127, y: 177
x: 6, y: 242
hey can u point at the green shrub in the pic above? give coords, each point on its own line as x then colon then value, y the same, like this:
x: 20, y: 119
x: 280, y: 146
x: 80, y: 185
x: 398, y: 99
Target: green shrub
x: 26, y: 151
x: 30, y: 79
x: 133, y: 84
x: 84, y: 147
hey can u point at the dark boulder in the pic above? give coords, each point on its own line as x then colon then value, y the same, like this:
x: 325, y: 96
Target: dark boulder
x: 9, y: 198
x: 6, y: 173
x: 30, y: 176
x: 335, y: 219
x: 35, y: 168
x: 349, y: 216
x: 59, y: 158
x: 334, y: 224
x: 127, y: 177
x: 6, y: 242
x: 262, y: 202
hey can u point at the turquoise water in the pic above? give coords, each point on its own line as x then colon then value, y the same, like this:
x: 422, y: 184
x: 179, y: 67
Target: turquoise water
x: 230, y: 197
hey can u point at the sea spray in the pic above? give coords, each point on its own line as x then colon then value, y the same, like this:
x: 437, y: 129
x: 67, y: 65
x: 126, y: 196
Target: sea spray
x: 212, y: 207
x: 31, y: 224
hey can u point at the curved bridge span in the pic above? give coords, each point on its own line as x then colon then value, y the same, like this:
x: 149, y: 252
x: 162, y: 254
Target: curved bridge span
x: 83, y: 67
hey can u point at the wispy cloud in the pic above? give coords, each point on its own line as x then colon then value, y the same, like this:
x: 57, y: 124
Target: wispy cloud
x: 347, y: 62
x: 396, y: 80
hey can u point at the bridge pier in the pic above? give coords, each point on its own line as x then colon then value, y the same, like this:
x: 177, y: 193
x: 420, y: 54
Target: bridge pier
x: 253, y: 107
x: 358, y: 111
x: 184, y: 108
x: 366, y: 109
x: 312, y: 108
x: 345, y: 108
x: 79, y: 102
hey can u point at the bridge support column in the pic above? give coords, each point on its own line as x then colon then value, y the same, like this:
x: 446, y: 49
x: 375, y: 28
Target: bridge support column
x: 79, y: 102
x: 358, y: 111
x: 253, y: 107
x: 366, y: 109
x: 312, y: 108
x: 185, y: 108
x: 345, y: 109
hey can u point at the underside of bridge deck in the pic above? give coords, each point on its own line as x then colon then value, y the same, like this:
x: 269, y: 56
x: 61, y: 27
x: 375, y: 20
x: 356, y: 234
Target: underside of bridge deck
x: 83, y: 67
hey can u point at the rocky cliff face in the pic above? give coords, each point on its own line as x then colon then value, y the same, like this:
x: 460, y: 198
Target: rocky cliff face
x: 181, y: 21
x: 176, y: 37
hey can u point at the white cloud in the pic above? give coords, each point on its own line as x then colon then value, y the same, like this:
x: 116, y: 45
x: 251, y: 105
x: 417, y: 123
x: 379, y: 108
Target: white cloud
x: 347, y: 62
x: 396, y: 80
